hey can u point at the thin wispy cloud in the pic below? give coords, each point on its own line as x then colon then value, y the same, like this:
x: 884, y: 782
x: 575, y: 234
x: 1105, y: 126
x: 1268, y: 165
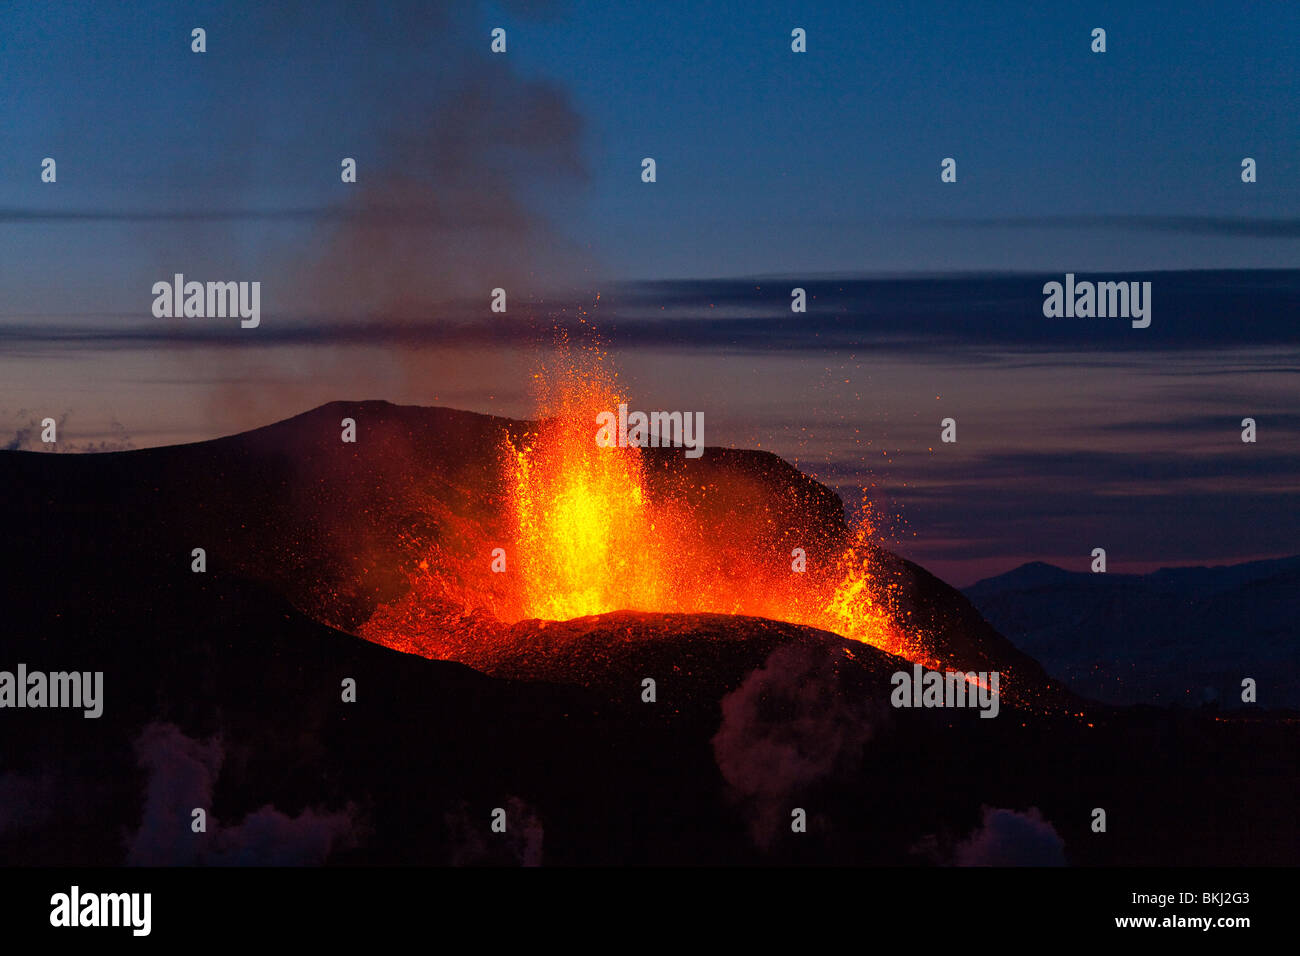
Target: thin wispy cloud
x: 1246, y: 226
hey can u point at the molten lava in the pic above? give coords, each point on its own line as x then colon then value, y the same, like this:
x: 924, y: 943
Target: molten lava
x: 593, y: 537
x: 586, y: 536
x: 587, y: 530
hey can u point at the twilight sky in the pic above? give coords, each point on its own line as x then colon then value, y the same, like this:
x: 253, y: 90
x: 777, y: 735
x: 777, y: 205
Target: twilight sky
x: 821, y: 169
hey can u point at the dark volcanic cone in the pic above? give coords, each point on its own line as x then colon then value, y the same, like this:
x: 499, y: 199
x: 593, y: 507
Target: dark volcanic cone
x: 391, y: 536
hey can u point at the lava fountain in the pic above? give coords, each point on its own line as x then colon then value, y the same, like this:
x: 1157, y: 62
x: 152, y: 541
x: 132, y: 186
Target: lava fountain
x: 587, y: 530
x: 588, y: 538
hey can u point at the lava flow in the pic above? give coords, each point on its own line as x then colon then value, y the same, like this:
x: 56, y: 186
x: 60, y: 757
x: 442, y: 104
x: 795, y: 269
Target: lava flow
x: 584, y: 530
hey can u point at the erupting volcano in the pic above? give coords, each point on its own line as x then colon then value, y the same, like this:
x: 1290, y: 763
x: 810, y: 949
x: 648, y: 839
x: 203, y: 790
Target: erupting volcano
x: 586, y: 530
x: 615, y: 641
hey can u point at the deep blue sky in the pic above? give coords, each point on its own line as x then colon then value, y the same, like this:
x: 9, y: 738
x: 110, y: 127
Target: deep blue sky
x: 774, y: 161
x: 768, y: 161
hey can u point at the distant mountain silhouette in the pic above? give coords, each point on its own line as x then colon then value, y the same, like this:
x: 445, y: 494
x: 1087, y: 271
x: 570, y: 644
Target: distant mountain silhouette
x: 1175, y: 636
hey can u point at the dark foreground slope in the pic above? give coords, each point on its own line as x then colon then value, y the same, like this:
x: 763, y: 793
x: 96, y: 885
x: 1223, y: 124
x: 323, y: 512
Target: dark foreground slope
x: 221, y: 694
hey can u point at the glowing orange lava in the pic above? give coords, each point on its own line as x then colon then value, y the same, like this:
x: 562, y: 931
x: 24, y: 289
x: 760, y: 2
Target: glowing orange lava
x: 566, y: 529
x: 587, y: 540
x: 592, y: 535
